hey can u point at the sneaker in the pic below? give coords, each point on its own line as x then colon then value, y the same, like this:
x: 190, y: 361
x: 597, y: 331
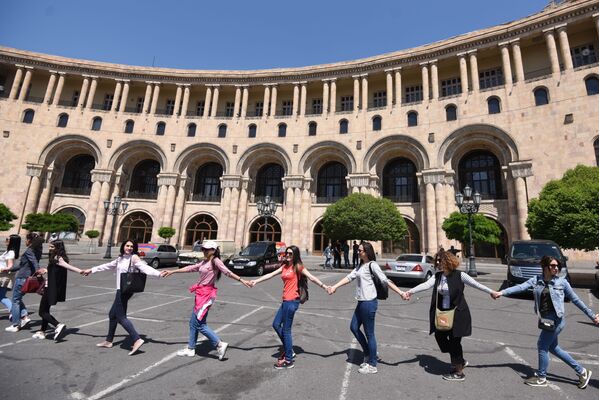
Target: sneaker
x: 584, y: 378
x: 367, y: 369
x: 12, y: 328
x: 454, y: 377
x: 24, y: 321
x: 284, y: 364
x: 463, y: 366
x: 39, y: 335
x: 59, y: 331
x: 221, y: 350
x: 536, y: 381
x: 282, y: 355
x: 186, y: 352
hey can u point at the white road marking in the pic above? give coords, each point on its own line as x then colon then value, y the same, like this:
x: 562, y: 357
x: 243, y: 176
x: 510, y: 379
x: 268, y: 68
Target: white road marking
x: 146, y: 319
x: 346, y: 375
x: 90, y: 295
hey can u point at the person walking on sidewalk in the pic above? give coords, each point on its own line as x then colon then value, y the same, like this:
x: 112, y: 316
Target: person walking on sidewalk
x: 550, y: 291
x: 327, y: 257
x: 209, y: 269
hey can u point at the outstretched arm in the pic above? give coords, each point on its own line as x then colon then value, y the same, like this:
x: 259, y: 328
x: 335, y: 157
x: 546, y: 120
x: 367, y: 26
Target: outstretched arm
x: 265, y: 277
x: 314, y: 279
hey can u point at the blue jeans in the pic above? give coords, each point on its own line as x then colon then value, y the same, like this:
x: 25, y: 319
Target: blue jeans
x: 200, y: 326
x: 118, y: 314
x: 548, y: 344
x: 5, y: 300
x: 364, y: 315
x: 282, y: 325
x: 17, y: 301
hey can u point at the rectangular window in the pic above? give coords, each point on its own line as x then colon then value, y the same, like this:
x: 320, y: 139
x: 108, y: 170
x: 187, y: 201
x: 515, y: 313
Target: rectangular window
x: 316, y: 106
x: 347, y: 103
x: 259, y: 108
x: 200, y: 108
x: 380, y: 99
x: 108, y: 102
x: 583, y: 55
x: 413, y: 94
x: 229, y: 109
x: 75, y: 98
x: 139, y: 106
x: 287, y: 107
x: 170, y: 106
x: 490, y: 78
x: 451, y: 87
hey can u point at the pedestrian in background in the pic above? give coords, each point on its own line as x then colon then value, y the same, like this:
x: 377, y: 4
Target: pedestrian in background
x: 337, y: 254
x: 355, y: 255
x: 327, y: 256
x: 345, y: 248
x: 550, y: 291
x: 7, y: 260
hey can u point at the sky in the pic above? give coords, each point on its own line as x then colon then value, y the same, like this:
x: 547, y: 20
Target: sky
x: 242, y: 35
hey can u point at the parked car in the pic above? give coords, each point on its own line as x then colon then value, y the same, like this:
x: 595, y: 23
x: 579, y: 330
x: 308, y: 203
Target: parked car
x: 227, y: 249
x: 412, y: 267
x: 257, y: 258
x: 524, y: 259
x: 158, y: 255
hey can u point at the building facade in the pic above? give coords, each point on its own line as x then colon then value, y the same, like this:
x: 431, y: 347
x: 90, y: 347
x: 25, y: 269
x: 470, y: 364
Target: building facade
x: 504, y: 109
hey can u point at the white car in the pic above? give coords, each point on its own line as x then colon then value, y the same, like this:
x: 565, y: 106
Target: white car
x: 413, y: 267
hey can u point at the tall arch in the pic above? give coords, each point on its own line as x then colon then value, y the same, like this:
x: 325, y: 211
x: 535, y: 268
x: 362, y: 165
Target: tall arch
x: 137, y: 226
x: 67, y: 146
x: 322, y: 152
x: 131, y: 152
x: 390, y: 147
x: 260, y: 154
x: 199, y: 228
x: 200, y: 153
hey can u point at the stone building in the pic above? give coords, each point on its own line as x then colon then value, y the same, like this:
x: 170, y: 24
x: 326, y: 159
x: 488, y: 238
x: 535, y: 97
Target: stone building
x: 504, y: 109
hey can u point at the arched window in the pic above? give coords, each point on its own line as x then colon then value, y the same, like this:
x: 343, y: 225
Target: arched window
x: 207, y: 183
x: 482, y: 172
x: 312, y: 128
x: 201, y: 227
x: 596, y: 145
x: 331, y: 183
x: 541, y: 96
x: 282, y: 130
x: 269, y: 182
x: 265, y: 230
x: 592, y: 85
x: 343, y: 126
x: 494, y: 105
x: 451, y: 113
x: 96, y: 123
x: 63, y: 120
x: 160, y: 128
x: 144, y: 180
x: 377, y: 123
x: 129, y: 125
x: 412, y: 118
x: 222, y: 130
x: 399, y: 181
x: 136, y: 226
x: 191, y: 130
x: 77, y: 178
x: 28, y: 116
x: 409, y: 244
x: 79, y: 216
x: 321, y: 240
x: 252, y: 130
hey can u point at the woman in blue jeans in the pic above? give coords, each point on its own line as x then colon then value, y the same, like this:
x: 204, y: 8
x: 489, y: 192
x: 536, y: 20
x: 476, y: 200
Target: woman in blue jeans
x: 7, y: 260
x: 549, y: 291
x: 365, y: 312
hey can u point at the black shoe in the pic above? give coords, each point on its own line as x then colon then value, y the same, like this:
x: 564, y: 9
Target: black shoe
x: 454, y: 377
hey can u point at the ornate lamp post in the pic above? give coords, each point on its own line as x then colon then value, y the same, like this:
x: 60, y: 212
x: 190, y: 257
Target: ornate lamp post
x: 266, y: 208
x: 469, y: 204
x: 117, y: 207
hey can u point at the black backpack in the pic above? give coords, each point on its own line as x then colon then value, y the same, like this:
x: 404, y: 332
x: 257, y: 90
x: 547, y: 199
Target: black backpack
x: 382, y: 290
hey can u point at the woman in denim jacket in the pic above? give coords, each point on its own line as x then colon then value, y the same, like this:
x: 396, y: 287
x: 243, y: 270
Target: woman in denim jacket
x: 549, y: 292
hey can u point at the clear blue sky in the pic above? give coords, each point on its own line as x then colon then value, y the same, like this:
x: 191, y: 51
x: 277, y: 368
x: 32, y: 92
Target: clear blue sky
x: 212, y: 34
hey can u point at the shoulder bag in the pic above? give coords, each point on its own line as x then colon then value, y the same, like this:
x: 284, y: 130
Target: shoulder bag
x: 382, y: 290
x: 132, y: 281
x: 443, y: 319
x: 302, y: 288
x: 34, y: 284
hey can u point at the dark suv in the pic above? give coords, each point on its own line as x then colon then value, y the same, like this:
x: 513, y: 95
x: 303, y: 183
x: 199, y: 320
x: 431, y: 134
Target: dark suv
x: 524, y: 259
x: 257, y: 257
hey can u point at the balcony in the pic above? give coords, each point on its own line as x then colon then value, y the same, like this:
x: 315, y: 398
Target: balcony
x: 205, y: 197
x: 101, y: 107
x: 31, y: 99
x: 85, y: 191
x: 164, y: 112
x: 67, y: 103
x: 142, y: 195
x: 133, y: 110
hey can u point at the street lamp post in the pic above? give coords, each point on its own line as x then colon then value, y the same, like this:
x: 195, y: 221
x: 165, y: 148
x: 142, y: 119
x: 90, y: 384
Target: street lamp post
x: 117, y: 207
x: 266, y: 208
x: 469, y: 204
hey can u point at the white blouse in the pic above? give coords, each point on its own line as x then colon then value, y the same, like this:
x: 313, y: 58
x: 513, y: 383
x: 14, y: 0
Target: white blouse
x: 122, y: 264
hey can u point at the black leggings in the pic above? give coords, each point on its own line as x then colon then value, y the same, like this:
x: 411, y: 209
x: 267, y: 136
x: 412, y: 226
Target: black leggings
x: 452, y: 345
x: 118, y: 314
x: 44, y: 312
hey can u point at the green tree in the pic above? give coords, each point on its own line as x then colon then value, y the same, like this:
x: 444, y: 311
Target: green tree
x: 5, y: 217
x: 92, y: 234
x: 45, y: 222
x: 567, y: 210
x: 362, y: 216
x: 166, y: 232
x: 484, y: 230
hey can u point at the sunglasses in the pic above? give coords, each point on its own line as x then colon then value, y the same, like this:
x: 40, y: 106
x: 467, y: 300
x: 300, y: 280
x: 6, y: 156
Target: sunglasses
x: 289, y: 254
x: 554, y: 265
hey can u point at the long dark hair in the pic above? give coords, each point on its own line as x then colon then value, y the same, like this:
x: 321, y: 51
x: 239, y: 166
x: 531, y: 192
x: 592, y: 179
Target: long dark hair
x: 37, y: 244
x: 59, y: 251
x: 135, y: 247
x: 296, y: 259
x: 369, y: 250
x: 546, y: 260
x: 216, y: 254
x: 14, y: 244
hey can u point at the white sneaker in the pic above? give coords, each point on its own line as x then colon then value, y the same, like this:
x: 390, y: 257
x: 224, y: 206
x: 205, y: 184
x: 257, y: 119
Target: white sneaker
x: 221, y: 350
x: 368, y: 369
x: 186, y: 352
x: 24, y: 321
x: 12, y: 328
x: 59, y: 331
x: 39, y: 335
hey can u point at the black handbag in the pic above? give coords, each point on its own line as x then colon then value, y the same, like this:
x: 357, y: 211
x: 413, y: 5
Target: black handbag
x: 547, y: 324
x: 132, y: 281
x: 382, y: 290
x: 302, y: 288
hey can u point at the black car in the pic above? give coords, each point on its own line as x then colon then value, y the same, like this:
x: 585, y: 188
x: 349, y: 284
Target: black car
x: 524, y: 259
x: 257, y: 258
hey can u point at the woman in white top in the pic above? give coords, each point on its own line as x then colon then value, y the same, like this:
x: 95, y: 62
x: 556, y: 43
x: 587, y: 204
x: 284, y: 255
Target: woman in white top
x: 365, y: 311
x: 118, y: 312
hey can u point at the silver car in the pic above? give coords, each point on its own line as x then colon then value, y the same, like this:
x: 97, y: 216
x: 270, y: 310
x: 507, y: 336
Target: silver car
x: 158, y: 255
x: 414, y: 267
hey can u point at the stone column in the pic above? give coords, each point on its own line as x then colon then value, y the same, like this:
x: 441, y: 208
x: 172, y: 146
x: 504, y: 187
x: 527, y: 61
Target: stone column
x: 333, y: 107
x: 155, y: 96
x: 35, y: 172
x: 435, y: 201
x: 389, y: 78
x: 514, y: 228
x: 364, y: 92
x: 179, y: 211
x: 552, y: 50
x: 169, y: 209
x: 425, y: 87
x: 305, y: 217
x: 297, y: 206
x: 434, y: 80
x: 96, y: 201
x: 100, y: 219
x: 474, y: 71
x: 506, y: 64
x: 50, y: 87
x: 185, y: 105
x: 266, y: 101
x: 59, y: 87
x: 520, y: 171
x: 518, y: 65
x: 215, y: 94
x: 290, y: 184
x: 596, y: 19
x: 46, y: 190
x: 242, y: 213
x: 440, y: 206
x: 273, y: 101
x: 16, y: 82
x: 295, y: 98
x: 117, y: 95
x: 398, y: 89
x: 450, y: 205
x: 207, y: 101
x: 82, y: 93
x: 230, y: 188
x: 565, y: 46
x: 431, y: 218
x: 224, y: 210
x: 233, y: 211
x: 167, y: 183
x: 463, y: 73
x: 26, y: 83
x: 147, y: 97
x: 325, y: 97
x: 304, y: 98
x: 244, y: 101
x: 92, y: 92
x: 237, y: 104
x: 124, y: 97
x: 178, y: 95
x: 356, y: 92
